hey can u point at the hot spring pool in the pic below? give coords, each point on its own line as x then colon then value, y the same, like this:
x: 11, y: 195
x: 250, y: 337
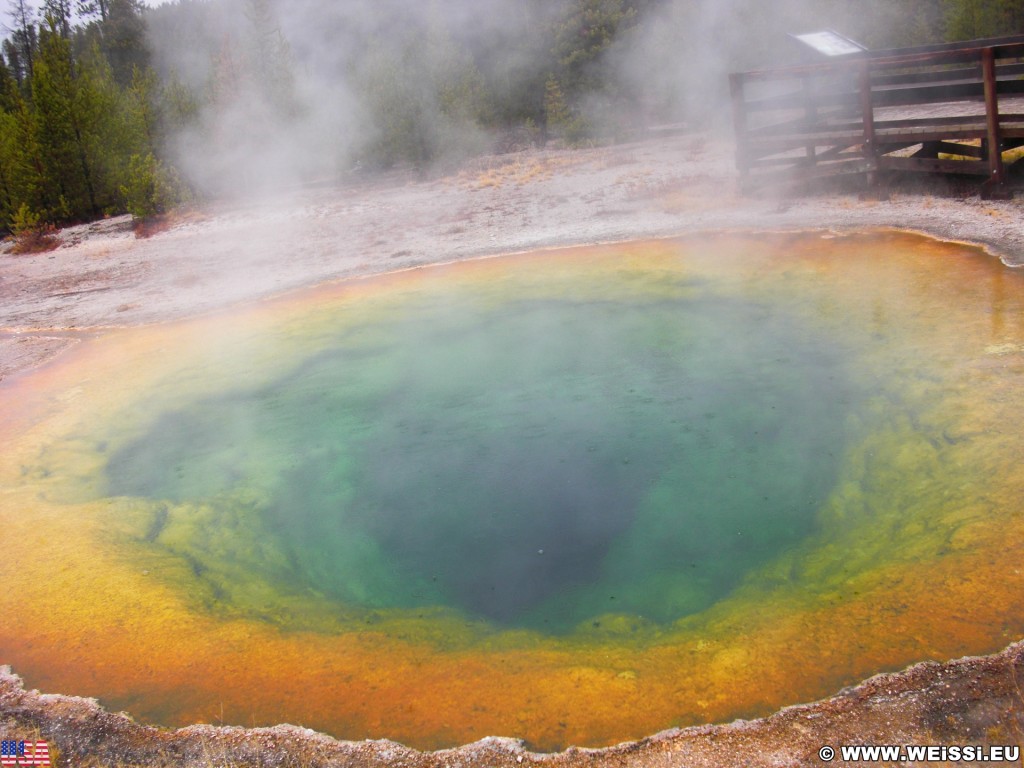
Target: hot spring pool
x: 575, y: 497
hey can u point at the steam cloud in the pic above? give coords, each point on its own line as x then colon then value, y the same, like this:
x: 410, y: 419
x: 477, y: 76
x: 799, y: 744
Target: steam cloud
x: 310, y: 89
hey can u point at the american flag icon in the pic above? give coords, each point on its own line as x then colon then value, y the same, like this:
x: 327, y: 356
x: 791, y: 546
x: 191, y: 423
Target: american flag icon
x: 14, y: 753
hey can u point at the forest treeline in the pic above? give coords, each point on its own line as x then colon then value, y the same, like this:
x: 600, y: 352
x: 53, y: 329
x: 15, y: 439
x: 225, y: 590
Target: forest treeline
x: 109, y: 106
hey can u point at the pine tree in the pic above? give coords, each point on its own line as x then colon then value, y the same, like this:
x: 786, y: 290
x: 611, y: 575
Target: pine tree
x: 12, y: 62
x: 21, y: 158
x: 66, y: 110
x: 556, y: 111
x: 123, y: 38
x: 8, y: 148
x: 461, y: 93
x: 92, y: 8
x: 21, y: 48
x: 58, y: 15
x: 584, y: 36
x: 970, y: 19
x: 270, y: 59
x: 8, y: 86
x: 78, y: 109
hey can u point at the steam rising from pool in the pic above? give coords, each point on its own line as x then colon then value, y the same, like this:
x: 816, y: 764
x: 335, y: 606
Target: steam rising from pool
x: 574, y: 497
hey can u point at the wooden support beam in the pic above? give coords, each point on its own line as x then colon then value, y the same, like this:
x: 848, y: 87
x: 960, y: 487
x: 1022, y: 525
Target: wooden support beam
x: 930, y: 165
x: 888, y: 147
x: 810, y: 113
x: 932, y: 149
x: 833, y: 152
x: 867, y: 111
x: 995, y: 186
x: 739, y: 118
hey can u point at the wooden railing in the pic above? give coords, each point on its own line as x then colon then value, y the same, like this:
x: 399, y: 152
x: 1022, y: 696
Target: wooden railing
x: 944, y: 108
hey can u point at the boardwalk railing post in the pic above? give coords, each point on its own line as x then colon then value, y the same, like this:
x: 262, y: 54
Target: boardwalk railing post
x: 739, y: 118
x: 867, y: 109
x: 810, y: 115
x: 995, y: 186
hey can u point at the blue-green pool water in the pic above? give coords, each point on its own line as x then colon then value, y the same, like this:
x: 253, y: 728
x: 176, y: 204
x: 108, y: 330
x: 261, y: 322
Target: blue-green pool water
x: 530, y: 463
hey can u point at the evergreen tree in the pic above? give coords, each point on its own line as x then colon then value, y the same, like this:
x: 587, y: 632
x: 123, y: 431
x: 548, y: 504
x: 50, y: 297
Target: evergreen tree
x: 13, y: 62
x: 8, y: 86
x: 400, y: 112
x: 123, y: 38
x: 583, y: 38
x: 8, y: 149
x: 21, y: 48
x: 68, y: 111
x: 76, y: 107
x: 461, y: 95
x: 556, y: 111
x: 970, y: 19
x: 176, y: 108
x: 142, y: 102
x: 58, y: 15
x: 269, y: 58
x: 426, y: 96
x: 21, y: 158
x: 122, y: 127
x: 93, y: 8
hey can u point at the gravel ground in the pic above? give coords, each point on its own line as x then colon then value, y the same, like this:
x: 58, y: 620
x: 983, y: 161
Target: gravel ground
x: 102, y: 276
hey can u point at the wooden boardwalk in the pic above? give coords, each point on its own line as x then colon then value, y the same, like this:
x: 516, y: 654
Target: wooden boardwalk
x: 956, y: 108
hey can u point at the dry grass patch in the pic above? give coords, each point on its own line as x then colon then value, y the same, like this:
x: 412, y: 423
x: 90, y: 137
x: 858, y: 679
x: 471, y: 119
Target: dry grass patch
x: 31, y: 233
x: 154, y: 225
x: 38, y: 240
x: 678, y: 194
x: 520, y: 171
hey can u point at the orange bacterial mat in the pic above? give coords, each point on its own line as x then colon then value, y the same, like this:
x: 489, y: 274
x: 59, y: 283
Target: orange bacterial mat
x: 164, y: 551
